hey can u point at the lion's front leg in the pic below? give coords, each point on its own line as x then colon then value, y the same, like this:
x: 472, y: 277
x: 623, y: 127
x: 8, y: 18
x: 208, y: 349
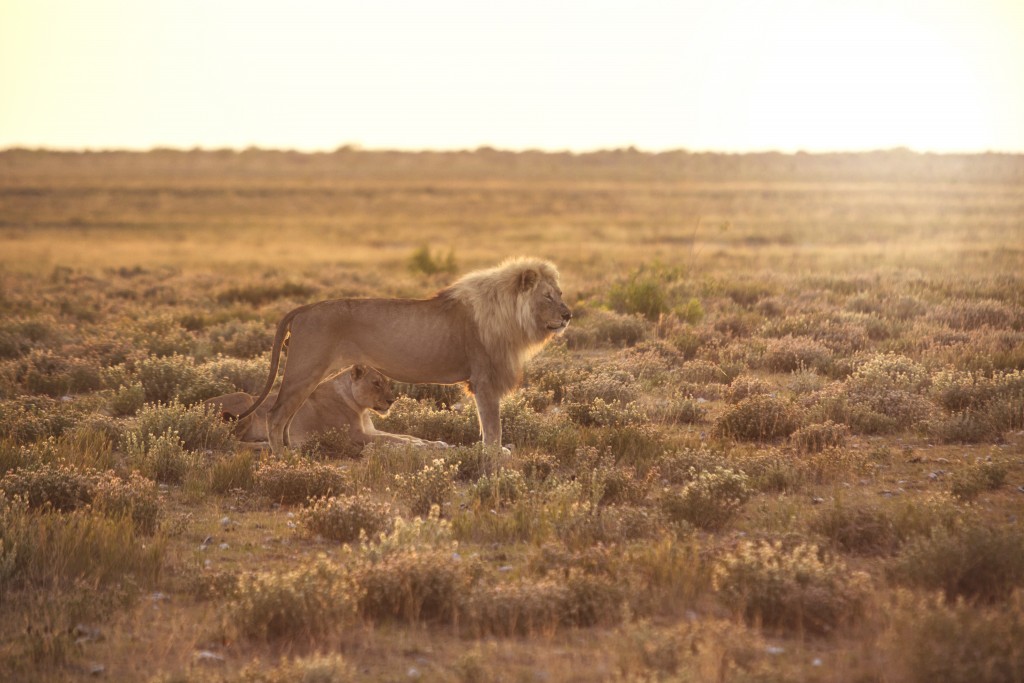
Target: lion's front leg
x: 488, y: 407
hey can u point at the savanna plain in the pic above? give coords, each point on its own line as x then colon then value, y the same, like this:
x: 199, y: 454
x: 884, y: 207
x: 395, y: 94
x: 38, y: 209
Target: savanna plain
x: 782, y: 439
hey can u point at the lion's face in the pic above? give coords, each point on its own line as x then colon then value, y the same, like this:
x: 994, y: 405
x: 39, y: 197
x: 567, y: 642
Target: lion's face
x: 550, y: 312
x: 371, y: 390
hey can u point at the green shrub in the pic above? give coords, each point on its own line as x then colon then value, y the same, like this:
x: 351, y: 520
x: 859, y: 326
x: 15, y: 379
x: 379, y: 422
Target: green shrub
x: 710, y: 500
x: 433, y: 485
x: 969, y: 482
x: 642, y: 294
x: 794, y: 588
x: 498, y: 490
x: 758, y: 418
x: 977, y: 562
x: 55, y: 485
x: 177, y: 379
x: 295, y: 481
x: 135, y: 498
x: 241, y: 338
x: 302, y: 605
x: 25, y: 420
x: 345, y: 518
x: 423, y: 261
x: 198, y: 427
x: 165, y: 459
x: 408, y: 416
x: 235, y: 374
x: 128, y: 400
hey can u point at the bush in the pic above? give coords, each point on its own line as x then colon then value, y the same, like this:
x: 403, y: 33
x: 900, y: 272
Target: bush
x: 164, y: 459
x: 235, y: 471
x: 817, y: 437
x: 55, y: 485
x: 968, y: 483
x: 977, y: 563
x: 135, y: 498
x: 128, y: 400
x: 26, y: 420
x: 242, y: 339
x: 641, y: 294
x: 292, y: 482
x: 407, y: 416
x: 433, y: 485
x: 790, y: 354
x: 595, y: 327
x: 198, y: 427
x: 345, y: 518
x: 259, y: 294
x: 758, y: 418
x: 710, y: 500
x: 424, y: 586
x: 797, y: 588
x: 498, y: 490
x: 746, y: 386
x: 928, y: 640
x: 177, y: 379
x: 304, y: 604
x: 861, y: 530
x: 423, y: 261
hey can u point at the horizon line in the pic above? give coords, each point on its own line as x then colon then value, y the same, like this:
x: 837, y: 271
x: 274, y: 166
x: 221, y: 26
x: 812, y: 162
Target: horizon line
x: 628, y: 149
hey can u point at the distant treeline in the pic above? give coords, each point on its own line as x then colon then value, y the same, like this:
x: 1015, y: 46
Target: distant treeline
x: 348, y: 164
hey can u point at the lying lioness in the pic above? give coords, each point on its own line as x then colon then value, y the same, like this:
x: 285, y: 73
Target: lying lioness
x: 343, y: 403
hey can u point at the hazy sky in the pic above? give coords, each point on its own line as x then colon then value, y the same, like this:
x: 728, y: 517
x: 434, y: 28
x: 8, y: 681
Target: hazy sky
x: 944, y: 75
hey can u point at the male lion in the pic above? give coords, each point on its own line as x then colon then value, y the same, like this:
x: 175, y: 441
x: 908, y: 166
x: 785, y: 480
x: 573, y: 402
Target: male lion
x: 343, y: 403
x: 479, y: 330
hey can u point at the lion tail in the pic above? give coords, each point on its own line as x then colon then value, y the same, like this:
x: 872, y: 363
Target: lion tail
x: 283, y: 329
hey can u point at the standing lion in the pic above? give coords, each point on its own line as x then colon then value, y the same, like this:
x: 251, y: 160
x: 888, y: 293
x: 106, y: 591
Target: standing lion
x: 479, y: 330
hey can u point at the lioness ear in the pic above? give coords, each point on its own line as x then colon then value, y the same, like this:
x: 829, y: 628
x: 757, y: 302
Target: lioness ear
x: 357, y: 371
x: 528, y: 279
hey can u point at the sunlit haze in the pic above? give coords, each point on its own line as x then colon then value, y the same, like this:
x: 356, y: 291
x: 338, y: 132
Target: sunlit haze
x: 734, y: 75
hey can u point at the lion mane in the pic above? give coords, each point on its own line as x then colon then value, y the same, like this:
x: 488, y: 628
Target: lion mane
x: 480, y: 330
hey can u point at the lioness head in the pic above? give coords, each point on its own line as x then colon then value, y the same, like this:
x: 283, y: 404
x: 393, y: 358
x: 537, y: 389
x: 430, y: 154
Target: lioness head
x: 371, y: 390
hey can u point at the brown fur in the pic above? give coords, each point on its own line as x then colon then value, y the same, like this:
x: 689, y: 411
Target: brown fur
x: 343, y: 403
x: 479, y: 330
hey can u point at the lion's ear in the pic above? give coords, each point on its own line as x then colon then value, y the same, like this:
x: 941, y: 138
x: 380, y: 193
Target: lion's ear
x: 528, y: 279
x: 358, y: 371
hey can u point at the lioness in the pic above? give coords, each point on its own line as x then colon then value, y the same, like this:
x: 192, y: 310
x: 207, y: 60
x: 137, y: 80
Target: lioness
x: 343, y: 403
x: 479, y: 330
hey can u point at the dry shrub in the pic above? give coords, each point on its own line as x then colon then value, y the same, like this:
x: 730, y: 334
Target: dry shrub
x: 710, y: 500
x: 295, y: 481
x: 746, y: 386
x: 304, y: 604
x: 331, y: 443
x: 261, y: 293
x: 967, y: 426
x: 758, y: 418
x: 49, y: 549
x: 246, y: 375
x: 44, y: 372
x: 346, y: 518
x: 790, y: 354
x: 969, y: 315
x: 817, y: 437
x: 957, y: 390
x: 976, y: 562
x: 799, y: 588
x: 927, y: 639
x: 234, y: 471
x: 596, y: 327
x: 177, y: 379
x: 414, y: 586
x: 525, y: 608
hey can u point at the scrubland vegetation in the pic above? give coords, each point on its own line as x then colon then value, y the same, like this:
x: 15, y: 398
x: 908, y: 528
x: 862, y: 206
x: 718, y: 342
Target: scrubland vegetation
x: 782, y: 440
